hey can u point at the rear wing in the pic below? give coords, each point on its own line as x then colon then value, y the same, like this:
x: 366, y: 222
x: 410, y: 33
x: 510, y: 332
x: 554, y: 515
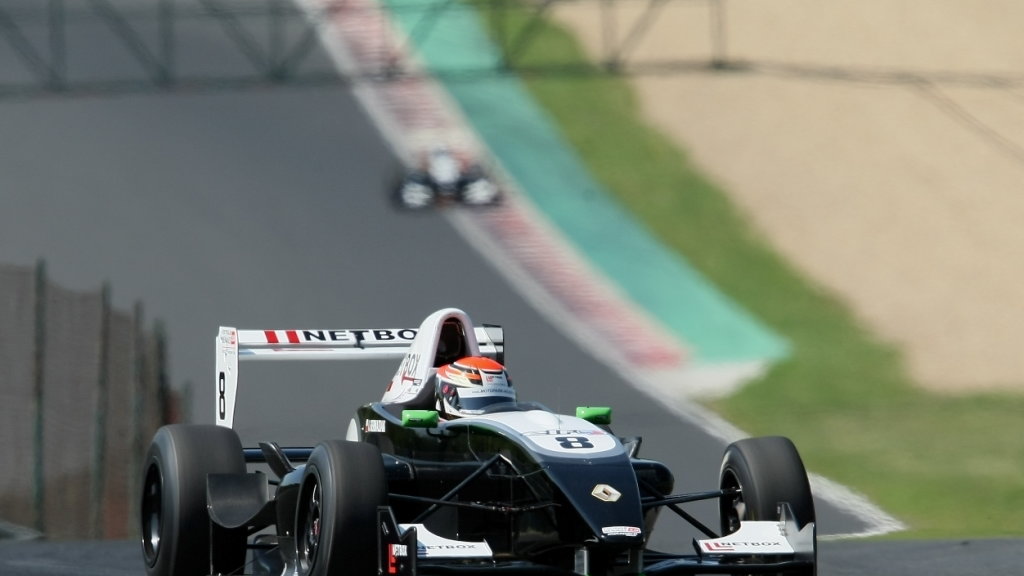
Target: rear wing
x: 234, y: 346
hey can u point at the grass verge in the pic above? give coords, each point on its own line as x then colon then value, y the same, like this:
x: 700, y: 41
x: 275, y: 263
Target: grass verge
x: 949, y: 467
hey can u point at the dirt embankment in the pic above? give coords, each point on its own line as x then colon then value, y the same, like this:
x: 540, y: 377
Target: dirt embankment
x: 879, y: 144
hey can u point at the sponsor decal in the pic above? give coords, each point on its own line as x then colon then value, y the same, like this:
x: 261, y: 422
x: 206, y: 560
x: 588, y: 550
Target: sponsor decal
x: 753, y: 537
x: 594, y: 432
x: 406, y: 377
x: 325, y: 336
x: 620, y: 531
x: 405, y: 334
x: 396, y: 551
x: 487, y: 390
x: 605, y: 493
x: 273, y: 337
x: 338, y: 336
x: 375, y: 426
x: 732, y: 546
x: 445, y: 548
x: 410, y: 365
x: 430, y: 545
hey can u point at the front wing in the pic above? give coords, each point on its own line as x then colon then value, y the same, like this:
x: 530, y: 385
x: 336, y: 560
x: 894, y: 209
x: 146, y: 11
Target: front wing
x: 757, y: 547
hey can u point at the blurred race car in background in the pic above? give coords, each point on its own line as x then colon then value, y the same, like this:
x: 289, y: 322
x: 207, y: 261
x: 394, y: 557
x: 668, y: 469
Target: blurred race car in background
x: 444, y: 176
x: 507, y: 487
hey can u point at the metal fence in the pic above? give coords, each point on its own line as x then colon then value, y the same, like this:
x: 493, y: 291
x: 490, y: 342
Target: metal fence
x: 113, y: 46
x: 82, y: 390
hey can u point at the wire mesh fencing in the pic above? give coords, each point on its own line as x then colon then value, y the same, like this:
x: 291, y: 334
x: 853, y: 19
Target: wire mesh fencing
x: 83, y: 387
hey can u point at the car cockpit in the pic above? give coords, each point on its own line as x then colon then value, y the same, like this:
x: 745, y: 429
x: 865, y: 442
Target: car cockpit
x: 451, y: 343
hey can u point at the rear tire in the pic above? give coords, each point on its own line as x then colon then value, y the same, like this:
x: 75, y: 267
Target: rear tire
x: 336, y: 516
x: 175, y: 526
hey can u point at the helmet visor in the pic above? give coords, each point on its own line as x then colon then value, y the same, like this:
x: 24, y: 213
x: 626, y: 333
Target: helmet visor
x: 472, y: 400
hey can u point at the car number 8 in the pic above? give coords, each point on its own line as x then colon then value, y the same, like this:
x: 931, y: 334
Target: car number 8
x: 573, y: 442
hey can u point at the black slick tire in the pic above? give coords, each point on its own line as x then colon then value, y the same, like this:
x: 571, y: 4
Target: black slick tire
x: 175, y: 526
x: 336, y: 516
x: 768, y: 470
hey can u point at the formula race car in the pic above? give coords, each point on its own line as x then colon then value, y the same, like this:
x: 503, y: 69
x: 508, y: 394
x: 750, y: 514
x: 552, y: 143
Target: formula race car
x: 508, y: 487
x: 443, y: 177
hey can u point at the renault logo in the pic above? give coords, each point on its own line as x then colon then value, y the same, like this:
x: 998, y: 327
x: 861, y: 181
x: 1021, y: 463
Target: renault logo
x: 605, y: 493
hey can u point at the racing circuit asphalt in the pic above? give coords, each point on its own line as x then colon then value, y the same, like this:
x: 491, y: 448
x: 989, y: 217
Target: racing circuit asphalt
x: 266, y: 207
x: 978, y: 558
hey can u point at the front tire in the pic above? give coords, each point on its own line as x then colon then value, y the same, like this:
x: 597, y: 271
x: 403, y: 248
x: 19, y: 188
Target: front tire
x: 479, y: 192
x: 175, y: 526
x: 767, y: 471
x: 336, y: 516
x: 415, y: 193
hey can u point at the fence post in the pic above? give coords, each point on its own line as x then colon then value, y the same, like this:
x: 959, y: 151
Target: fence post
x: 138, y: 423
x: 38, y: 374
x: 99, y: 449
x: 276, y: 69
x: 718, y: 34
x: 165, y: 23
x: 163, y: 393
x: 58, y: 46
x: 609, y: 42
x: 184, y: 403
x: 500, y: 22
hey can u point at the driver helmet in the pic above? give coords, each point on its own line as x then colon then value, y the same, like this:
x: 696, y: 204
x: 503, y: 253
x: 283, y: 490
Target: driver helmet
x: 443, y: 166
x: 469, y: 385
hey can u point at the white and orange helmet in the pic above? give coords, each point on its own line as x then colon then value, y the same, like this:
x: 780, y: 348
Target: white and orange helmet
x: 470, y: 384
